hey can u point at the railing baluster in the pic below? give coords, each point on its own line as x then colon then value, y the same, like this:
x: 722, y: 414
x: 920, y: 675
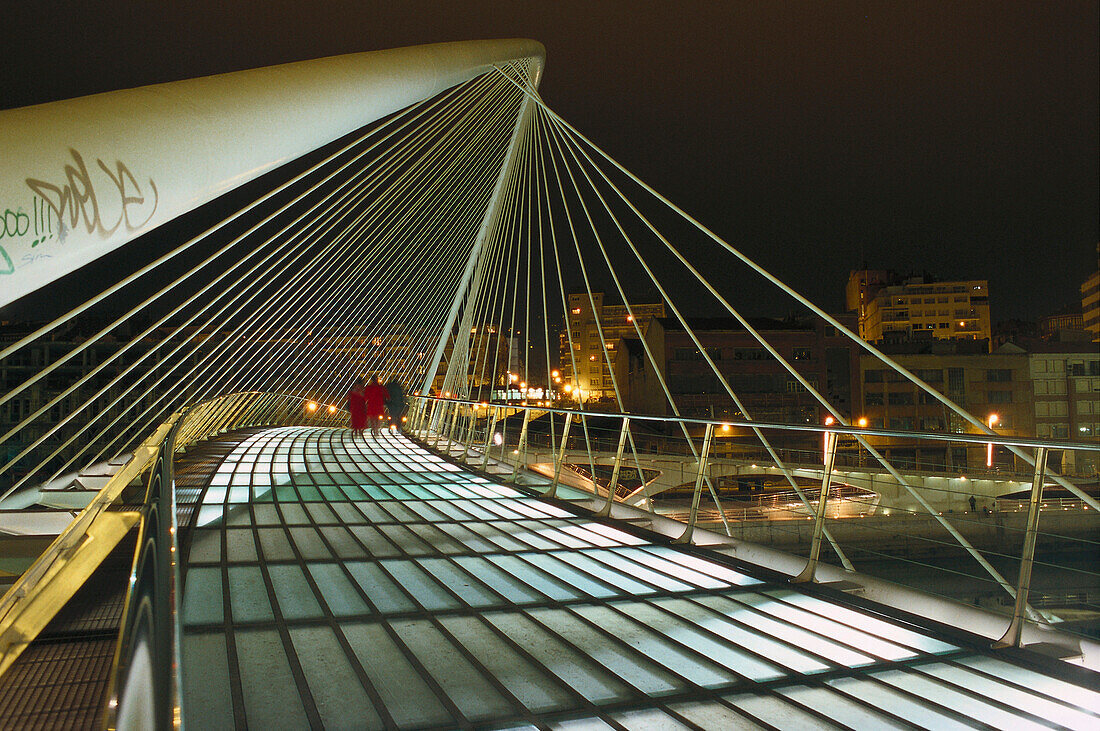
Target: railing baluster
x: 521, y: 446
x: 1013, y: 635
x: 623, y: 433
x: 807, y: 574
x: 468, y: 441
x: 694, y: 514
x: 553, y: 491
x: 489, y: 436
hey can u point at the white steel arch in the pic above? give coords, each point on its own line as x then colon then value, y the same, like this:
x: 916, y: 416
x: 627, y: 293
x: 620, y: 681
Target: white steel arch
x: 83, y: 176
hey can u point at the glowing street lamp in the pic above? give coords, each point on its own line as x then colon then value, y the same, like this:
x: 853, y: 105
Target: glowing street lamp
x: 311, y: 406
x: 862, y: 423
x: 993, y: 419
x: 825, y: 441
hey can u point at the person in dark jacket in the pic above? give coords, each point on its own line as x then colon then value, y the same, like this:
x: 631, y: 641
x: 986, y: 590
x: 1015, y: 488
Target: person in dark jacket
x: 395, y: 404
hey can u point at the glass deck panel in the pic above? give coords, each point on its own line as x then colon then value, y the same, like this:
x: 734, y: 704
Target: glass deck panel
x: 606, y: 649
x: 466, y: 687
x: 207, y: 694
x: 341, y: 700
x: 577, y: 671
x: 713, y: 714
x: 370, y: 583
x: 538, y: 691
x: 1024, y: 700
x: 881, y: 695
x: 408, y: 698
x: 840, y: 708
x: 292, y: 592
x: 965, y: 703
x: 271, y: 695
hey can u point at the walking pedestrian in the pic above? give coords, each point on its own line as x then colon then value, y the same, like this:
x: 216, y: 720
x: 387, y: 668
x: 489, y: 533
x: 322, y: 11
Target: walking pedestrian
x: 376, y: 396
x: 357, y: 406
x: 395, y: 404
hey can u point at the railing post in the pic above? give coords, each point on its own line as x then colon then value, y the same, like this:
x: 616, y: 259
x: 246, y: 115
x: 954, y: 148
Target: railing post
x: 553, y: 491
x: 438, y: 420
x: 421, y: 410
x: 521, y: 445
x: 430, y: 416
x: 807, y: 573
x: 454, y: 423
x: 470, y: 424
x: 623, y: 433
x: 1012, y: 636
x: 704, y: 456
x: 489, y: 436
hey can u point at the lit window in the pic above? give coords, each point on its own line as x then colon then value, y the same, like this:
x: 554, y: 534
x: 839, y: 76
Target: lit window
x: 576, y: 310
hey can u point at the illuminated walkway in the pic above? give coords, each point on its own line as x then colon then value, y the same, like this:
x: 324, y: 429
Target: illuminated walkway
x: 370, y: 584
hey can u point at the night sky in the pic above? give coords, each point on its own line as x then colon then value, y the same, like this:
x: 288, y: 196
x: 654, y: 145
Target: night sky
x: 955, y: 138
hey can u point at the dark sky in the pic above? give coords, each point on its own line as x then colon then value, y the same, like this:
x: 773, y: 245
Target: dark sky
x: 958, y: 138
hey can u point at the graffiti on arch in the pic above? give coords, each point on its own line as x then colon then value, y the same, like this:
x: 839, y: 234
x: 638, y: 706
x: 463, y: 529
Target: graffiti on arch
x: 98, y: 199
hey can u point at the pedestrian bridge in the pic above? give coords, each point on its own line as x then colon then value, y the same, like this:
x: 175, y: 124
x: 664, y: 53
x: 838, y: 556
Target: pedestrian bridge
x: 247, y: 562
x: 342, y: 582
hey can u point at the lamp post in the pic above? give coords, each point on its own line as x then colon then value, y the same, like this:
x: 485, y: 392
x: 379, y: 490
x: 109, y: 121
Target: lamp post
x: 993, y: 419
x: 862, y: 424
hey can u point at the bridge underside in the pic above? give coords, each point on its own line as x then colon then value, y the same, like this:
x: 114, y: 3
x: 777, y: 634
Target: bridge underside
x: 369, y: 583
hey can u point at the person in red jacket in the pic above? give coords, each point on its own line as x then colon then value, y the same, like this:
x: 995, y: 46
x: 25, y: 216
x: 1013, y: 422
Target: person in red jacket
x: 357, y: 406
x: 376, y: 396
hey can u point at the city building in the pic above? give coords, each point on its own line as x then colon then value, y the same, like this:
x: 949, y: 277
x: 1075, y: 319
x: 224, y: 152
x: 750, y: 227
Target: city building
x: 995, y: 387
x: 1066, y: 383
x: 825, y: 358
x: 1067, y: 319
x: 586, y: 320
x: 889, y: 307
x: 1090, y: 301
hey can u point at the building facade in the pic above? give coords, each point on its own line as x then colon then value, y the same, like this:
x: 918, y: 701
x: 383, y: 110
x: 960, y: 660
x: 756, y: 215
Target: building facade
x: 994, y: 387
x: 1090, y: 301
x: 889, y: 307
x: 825, y: 358
x: 1066, y: 382
x: 581, y: 344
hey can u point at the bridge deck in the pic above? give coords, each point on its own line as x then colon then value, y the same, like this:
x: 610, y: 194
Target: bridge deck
x: 371, y: 584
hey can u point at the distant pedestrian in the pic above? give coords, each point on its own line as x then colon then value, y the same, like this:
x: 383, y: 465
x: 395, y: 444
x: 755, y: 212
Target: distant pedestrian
x: 395, y: 404
x: 376, y: 396
x: 973, y: 504
x: 357, y: 406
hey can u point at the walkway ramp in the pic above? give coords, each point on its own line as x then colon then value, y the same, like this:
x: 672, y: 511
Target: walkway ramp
x: 369, y: 583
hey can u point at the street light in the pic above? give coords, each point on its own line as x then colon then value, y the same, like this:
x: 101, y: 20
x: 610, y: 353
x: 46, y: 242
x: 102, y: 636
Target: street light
x: 862, y: 423
x: 825, y: 441
x: 993, y: 419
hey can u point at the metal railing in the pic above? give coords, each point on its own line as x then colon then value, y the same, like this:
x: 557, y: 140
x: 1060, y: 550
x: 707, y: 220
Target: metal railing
x: 919, y: 513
